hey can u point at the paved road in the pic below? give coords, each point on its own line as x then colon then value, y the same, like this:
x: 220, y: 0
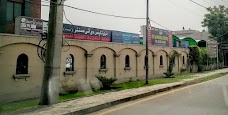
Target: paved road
x: 209, y: 98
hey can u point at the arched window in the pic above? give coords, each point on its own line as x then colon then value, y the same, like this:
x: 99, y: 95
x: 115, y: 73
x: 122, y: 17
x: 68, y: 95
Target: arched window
x: 70, y: 63
x: 183, y: 60
x: 22, y: 64
x: 161, y: 60
x: 103, y: 62
x: 127, y: 61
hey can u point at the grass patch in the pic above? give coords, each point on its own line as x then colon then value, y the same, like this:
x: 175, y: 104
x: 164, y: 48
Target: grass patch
x: 137, y: 84
x: 76, y: 95
x: 209, y: 77
x: 10, y: 107
x: 25, y: 104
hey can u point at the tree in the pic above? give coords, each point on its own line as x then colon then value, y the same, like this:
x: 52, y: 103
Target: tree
x: 217, y: 23
x: 195, y: 57
x: 169, y: 73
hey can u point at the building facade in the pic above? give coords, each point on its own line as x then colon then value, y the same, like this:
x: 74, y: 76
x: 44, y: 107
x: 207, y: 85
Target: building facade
x: 21, y: 69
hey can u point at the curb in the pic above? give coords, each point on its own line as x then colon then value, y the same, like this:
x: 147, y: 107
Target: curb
x: 112, y: 103
x: 120, y: 101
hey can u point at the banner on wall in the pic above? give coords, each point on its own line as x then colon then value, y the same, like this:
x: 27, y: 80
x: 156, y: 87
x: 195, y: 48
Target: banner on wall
x: 170, y: 39
x: 86, y: 33
x: 125, y: 37
x: 143, y: 32
x: 160, y: 37
x: 28, y: 26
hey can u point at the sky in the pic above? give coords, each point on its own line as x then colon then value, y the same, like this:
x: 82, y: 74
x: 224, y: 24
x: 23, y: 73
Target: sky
x: 172, y: 14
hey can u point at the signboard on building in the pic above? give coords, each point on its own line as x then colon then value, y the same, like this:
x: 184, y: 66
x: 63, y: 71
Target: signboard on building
x: 212, y: 50
x: 86, y: 33
x: 160, y: 37
x: 143, y: 32
x: 45, y: 27
x: 125, y: 37
x: 170, y: 39
x: 224, y: 46
x: 117, y: 36
x: 28, y: 26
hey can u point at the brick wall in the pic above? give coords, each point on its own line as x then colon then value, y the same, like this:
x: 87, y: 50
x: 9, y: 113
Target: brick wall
x: 36, y: 8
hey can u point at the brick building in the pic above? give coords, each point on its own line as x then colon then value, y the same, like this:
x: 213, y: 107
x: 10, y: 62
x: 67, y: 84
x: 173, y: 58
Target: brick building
x: 10, y: 9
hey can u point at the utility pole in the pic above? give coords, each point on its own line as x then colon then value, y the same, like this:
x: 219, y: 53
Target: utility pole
x: 147, y: 61
x: 50, y: 86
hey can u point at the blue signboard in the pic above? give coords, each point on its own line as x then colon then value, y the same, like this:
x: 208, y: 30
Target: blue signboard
x: 67, y: 28
x: 117, y: 36
x: 124, y: 37
x: 135, y: 39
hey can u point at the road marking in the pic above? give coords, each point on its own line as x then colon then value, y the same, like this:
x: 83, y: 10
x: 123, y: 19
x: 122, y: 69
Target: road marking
x: 149, y: 98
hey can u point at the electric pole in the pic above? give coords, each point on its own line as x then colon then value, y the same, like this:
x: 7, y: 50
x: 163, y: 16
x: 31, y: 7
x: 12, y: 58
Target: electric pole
x: 50, y: 86
x: 147, y: 61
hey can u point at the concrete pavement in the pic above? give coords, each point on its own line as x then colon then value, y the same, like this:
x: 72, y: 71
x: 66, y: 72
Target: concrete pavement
x: 94, y: 103
x: 208, y: 98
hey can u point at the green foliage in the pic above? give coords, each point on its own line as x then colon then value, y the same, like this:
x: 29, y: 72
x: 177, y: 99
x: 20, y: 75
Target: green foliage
x: 169, y: 74
x: 106, y: 82
x: 15, y: 106
x: 172, y: 58
x: 216, y: 22
x: 198, y: 56
x: 204, y: 56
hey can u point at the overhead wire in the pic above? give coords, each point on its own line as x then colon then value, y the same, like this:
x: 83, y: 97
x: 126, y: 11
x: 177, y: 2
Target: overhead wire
x: 222, y: 35
x: 208, y: 2
x: 117, y: 16
x: 41, y: 53
x: 98, y: 13
x: 64, y: 13
x: 184, y: 7
x: 198, y: 4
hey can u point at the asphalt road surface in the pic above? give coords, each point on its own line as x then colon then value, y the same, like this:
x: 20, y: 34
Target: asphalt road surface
x: 208, y: 98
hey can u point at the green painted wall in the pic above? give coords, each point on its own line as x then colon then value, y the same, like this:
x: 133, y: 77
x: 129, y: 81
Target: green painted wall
x: 191, y: 41
x: 175, y: 38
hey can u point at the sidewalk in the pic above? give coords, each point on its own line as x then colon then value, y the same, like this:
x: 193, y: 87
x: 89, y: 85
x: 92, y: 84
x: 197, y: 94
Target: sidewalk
x: 97, y: 102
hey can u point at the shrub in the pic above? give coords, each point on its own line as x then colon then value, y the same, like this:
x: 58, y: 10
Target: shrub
x: 169, y: 74
x: 130, y: 79
x: 198, y: 56
x: 183, y: 70
x: 106, y: 82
